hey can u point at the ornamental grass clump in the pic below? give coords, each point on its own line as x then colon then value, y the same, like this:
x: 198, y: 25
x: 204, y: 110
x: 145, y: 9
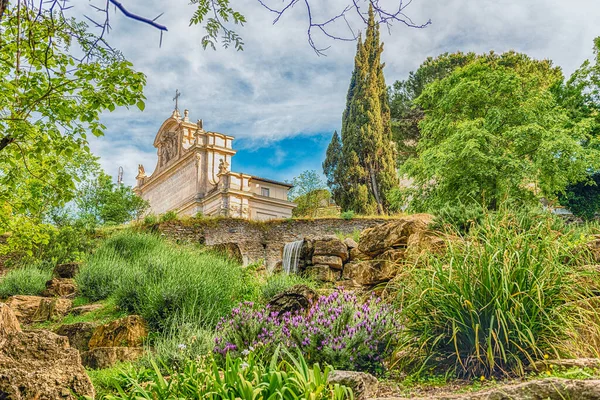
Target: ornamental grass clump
x: 500, y: 298
x: 338, y: 330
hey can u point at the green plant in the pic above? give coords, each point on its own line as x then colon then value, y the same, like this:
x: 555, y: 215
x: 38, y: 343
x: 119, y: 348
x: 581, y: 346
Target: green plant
x: 354, y: 235
x: 29, y: 280
x: 347, y: 215
x: 245, y: 379
x: 277, y: 283
x: 498, y: 299
x: 162, y: 282
x: 339, y: 330
x: 150, y: 219
x: 169, y: 216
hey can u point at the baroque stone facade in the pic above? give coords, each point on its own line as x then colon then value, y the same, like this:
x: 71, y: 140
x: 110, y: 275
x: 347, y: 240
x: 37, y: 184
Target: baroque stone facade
x: 193, y: 176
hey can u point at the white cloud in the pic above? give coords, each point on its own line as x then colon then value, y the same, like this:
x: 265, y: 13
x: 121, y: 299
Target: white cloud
x: 277, y: 87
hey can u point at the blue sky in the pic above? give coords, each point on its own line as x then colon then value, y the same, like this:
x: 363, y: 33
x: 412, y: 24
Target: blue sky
x: 279, y: 99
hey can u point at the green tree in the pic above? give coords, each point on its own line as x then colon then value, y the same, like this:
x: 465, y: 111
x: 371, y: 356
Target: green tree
x: 331, y: 166
x: 308, y: 193
x: 365, y: 172
x: 405, y: 113
x: 56, y: 83
x: 100, y: 201
x: 493, y: 130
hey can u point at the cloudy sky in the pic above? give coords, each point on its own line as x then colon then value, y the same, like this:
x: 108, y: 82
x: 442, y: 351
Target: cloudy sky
x: 279, y: 99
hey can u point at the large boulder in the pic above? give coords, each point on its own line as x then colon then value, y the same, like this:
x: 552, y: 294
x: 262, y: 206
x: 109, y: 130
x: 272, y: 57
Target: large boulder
x: 357, y: 255
x: 79, y: 334
x: 369, y: 272
x: 330, y: 246
x: 38, y: 309
x: 68, y: 270
x: 322, y: 273
x: 363, y: 385
x: 8, y: 321
x: 394, y: 234
x: 129, y: 331
x: 334, y: 262
x: 60, y: 287
x: 105, y: 357
x: 41, y: 365
x: 51, y: 309
x: 296, y: 298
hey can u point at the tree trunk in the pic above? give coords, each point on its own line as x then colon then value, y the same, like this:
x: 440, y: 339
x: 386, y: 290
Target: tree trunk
x: 375, y: 189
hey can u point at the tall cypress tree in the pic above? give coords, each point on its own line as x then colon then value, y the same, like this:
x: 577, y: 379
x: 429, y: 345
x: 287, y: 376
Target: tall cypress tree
x: 366, y: 171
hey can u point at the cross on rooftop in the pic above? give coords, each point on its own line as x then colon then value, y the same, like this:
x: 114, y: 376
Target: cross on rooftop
x: 176, y: 99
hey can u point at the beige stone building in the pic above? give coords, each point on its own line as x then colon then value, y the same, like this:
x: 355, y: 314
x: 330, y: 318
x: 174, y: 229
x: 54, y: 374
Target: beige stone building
x: 193, y: 176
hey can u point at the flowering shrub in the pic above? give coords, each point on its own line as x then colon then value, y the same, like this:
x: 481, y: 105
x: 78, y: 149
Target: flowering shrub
x: 337, y: 330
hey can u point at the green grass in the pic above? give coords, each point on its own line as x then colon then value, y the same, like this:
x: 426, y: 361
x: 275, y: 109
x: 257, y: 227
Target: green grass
x: 109, y: 312
x: 498, y: 299
x: 162, y: 282
x: 28, y: 280
x: 280, y: 282
x: 354, y: 235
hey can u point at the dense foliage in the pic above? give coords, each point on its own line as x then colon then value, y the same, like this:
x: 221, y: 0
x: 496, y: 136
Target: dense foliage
x: 498, y: 299
x: 493, y: 130
x: 29, y: 280
x: 55, y: 85
x: 100, y: 201
x: 338, y: 330
x: 240, y: 378
x: 405, y: 112
x: 309, y: 193
x: 162, y: 283
x: 361, y: 175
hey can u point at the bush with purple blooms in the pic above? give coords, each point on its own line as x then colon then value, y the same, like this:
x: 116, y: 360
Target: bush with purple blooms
x: 338, y: 330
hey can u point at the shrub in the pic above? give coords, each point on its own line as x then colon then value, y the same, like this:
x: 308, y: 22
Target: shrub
x: 500, y: 297
x: 182, y: 341
x: 239, y: 379
x: 347, y: 215
x: 29, y: 280
x: 278, y: 283
x: 147, y: 276
x: 338, y: 330
x: 169, y: 216
x: 150, y: 219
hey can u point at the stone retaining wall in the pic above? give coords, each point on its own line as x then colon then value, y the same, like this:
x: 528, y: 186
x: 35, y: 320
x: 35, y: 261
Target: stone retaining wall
x: 259, y: 240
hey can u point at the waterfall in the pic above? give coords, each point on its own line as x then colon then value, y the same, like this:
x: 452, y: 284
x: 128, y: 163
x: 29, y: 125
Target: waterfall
x: 291, y: 256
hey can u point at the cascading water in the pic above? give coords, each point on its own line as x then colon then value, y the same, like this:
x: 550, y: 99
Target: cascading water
x: 291, y: 256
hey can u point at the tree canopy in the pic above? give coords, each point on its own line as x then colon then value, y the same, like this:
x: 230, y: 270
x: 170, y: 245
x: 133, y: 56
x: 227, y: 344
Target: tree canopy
x: 494, y: 129
x: 364, y: 172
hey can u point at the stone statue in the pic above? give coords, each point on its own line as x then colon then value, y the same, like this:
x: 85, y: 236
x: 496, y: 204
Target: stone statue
x: 223, y: 167
x: 168, y: 147
x: 141, y: 172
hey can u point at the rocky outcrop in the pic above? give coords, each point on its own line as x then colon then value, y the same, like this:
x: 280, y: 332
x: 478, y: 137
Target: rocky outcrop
x: 294, y: 299
x: 545, y: 389
x: 8, y: 321
x: 330, y: 246
x: 363, y: 385
x: 40, y: 365
x: 334, y: 262
x: 323, y: 273
x: 105, y: 357
x: 38, y: 309
x: 369, y: 272
x: 51, y: 309
x: 60, y: 287
x: 129, y: 331
x: 67, y: 271
x: 79, y: 334
x: 394, y: 234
